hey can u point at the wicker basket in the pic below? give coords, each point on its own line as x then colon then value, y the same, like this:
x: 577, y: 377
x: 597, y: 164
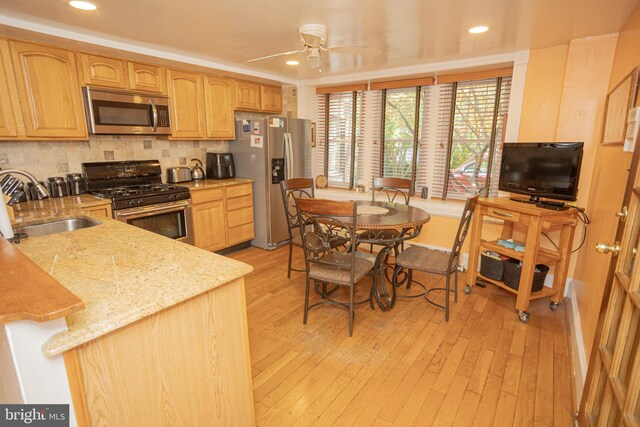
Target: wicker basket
x: 512, y: 271
x: 491, y: 268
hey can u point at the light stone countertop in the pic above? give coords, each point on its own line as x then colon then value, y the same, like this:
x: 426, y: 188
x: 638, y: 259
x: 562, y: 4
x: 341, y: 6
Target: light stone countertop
x: 122, y: 274
x: 213, y: 183
x: 43, y: 210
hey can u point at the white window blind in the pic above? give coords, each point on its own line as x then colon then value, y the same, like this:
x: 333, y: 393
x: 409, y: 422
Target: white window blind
x: 399, y: 132
x: 475, y: 135
x: 443, y: 126
x: 376, y: 134
x: 340, y: 137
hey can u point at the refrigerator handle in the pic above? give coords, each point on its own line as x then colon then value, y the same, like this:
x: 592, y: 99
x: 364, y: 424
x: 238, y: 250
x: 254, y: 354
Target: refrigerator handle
x: 288, y: 156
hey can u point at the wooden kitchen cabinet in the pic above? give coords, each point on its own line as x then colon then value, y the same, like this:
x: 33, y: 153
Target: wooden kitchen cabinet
x: 186, y: 104
x: 209, y: 225
x: 102, y: 71
x: 48, y: 90
x: 9, y: 104
x: 102, y: 210
x: 239, y: 204
x: 146, y: 77
x: 271, y: 99
x: 247, y: 95
x: 222, y: 216
x: 219, y: 99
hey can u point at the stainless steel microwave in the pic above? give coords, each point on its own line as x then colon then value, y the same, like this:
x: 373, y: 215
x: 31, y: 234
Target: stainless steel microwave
x: 126, y: 113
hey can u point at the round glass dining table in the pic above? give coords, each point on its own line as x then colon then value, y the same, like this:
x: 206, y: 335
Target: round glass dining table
x: 378, y: 218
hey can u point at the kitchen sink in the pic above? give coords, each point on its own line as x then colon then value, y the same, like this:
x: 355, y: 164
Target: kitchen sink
x: 57, y: 226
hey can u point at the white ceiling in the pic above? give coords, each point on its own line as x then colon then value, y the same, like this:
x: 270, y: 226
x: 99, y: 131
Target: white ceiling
x: 410, y: 32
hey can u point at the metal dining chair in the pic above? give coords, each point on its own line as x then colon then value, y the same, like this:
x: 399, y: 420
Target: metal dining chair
x: 293, y: 189
x: 397, y: 190
x: 437, y: 262
x: 322, y: 223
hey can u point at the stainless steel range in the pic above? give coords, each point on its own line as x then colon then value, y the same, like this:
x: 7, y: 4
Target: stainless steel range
x: 138, y: 196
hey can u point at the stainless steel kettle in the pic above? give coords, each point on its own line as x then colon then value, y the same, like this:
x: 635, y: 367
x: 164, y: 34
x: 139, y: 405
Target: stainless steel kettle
x: 196, y: 171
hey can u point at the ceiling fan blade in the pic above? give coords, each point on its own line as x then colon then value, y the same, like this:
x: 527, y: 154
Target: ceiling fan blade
x: 355, y: 50
x: 291, y: 52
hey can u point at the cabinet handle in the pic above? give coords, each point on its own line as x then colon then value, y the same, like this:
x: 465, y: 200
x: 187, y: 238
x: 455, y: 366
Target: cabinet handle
x: 507, y: 215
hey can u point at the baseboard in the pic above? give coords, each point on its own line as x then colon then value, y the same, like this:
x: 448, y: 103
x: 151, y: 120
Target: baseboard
x: 578, y: 353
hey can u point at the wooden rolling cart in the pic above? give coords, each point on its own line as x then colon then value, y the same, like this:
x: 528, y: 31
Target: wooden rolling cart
x: 536, y: 220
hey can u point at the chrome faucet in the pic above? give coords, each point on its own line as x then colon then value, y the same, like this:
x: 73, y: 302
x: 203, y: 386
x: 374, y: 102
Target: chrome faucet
x: 5, y: 222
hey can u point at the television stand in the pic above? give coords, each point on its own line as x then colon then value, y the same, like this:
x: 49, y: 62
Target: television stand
x: 535, y: 221
x: 544, y: 204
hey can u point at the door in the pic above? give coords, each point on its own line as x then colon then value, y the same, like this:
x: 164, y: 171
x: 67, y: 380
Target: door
x: 9, y: 105
x: 247, y: 96
x: 271, y: 98
x: 209, y: 228
x: 612, y: 391
x: 186, y: 102
x: 48, y: 90
x: 300, y: 131
x: 102, y: 71
x: 219, y: 107
x: 145, y: 77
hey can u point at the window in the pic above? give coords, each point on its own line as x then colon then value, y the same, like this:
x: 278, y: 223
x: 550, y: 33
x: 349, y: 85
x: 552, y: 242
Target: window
x: 340, y: 132
x: 445, y: 137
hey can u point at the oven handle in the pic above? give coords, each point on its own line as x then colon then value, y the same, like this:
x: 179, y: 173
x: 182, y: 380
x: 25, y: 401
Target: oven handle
x: 154, y: 115
x: 145, y: 211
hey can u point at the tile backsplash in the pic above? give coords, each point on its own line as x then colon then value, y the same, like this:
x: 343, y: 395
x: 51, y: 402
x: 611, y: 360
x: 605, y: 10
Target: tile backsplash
x: 55, y: 158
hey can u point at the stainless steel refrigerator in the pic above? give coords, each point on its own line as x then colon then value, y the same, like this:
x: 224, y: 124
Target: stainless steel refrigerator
x: 269, y: 149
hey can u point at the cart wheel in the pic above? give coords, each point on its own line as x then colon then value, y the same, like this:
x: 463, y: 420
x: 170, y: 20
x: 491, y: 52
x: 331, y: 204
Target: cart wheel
x: 524, y: 316
x: 553, y: 306
x: 467, y: 290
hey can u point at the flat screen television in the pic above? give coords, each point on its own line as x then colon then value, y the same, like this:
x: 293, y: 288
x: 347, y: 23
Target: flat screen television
x: 549, y: 170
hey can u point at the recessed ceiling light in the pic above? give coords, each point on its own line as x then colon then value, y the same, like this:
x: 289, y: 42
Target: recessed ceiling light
x: 292, y: 62
x: 479, y: 29
x: 82, y: 5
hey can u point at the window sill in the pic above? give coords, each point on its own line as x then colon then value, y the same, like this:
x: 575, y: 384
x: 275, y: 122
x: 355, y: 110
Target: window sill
x: 447, y: 209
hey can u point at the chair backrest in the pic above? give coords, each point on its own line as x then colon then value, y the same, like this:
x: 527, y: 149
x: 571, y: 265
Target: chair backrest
x: 291, y: 190
x: 463, y: 228
x: 392, y: 187
x: 329, y: 220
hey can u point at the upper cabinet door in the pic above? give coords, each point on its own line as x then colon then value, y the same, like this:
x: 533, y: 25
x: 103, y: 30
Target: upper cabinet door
x: 48, y: 89
x: 101, y: 71
x: 149, y: 78
x: 9, y: 104
x: 247, y: 95
x: 271, y: 98
x: 186, y: 102
x: 220, y: 101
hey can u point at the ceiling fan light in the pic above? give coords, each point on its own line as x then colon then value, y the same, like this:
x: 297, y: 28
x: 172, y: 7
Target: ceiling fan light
x: 292, y: 62
x: 82, y: 5
x: 479, y: 29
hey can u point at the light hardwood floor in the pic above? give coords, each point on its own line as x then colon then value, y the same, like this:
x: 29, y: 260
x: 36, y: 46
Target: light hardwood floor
x: 406, y: 366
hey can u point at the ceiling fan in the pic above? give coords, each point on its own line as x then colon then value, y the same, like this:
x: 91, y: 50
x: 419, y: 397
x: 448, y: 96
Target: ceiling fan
x: 313, y: 38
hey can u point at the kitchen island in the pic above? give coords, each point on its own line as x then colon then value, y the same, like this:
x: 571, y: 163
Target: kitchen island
x: 162, y: 339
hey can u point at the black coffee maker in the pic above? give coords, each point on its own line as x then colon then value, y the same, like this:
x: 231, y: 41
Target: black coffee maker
x: 220, y: 166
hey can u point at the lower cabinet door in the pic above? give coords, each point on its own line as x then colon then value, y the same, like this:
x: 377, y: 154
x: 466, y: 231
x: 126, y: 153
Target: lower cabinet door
x: 209, y: 225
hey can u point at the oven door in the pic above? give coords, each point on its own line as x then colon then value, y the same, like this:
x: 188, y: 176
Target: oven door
x: 171, y: 220
x: 126, y: 113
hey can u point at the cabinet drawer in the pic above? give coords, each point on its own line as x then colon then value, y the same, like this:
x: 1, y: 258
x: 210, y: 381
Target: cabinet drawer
x: 240, y: 234
x: 238, y: 190
x: 239, y: 202
x: 504, y: 214
x: 201, y: 196
x: 104, y: 211
x: 240, y: 217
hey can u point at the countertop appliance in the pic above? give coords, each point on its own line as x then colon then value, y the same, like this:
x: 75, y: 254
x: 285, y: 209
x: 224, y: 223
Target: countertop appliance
x: 220, y: 166
x: 126, y: 113
x: 197, y: 172
x: 139, y: 198
x: 178, y: 174
x: 269, y: 149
